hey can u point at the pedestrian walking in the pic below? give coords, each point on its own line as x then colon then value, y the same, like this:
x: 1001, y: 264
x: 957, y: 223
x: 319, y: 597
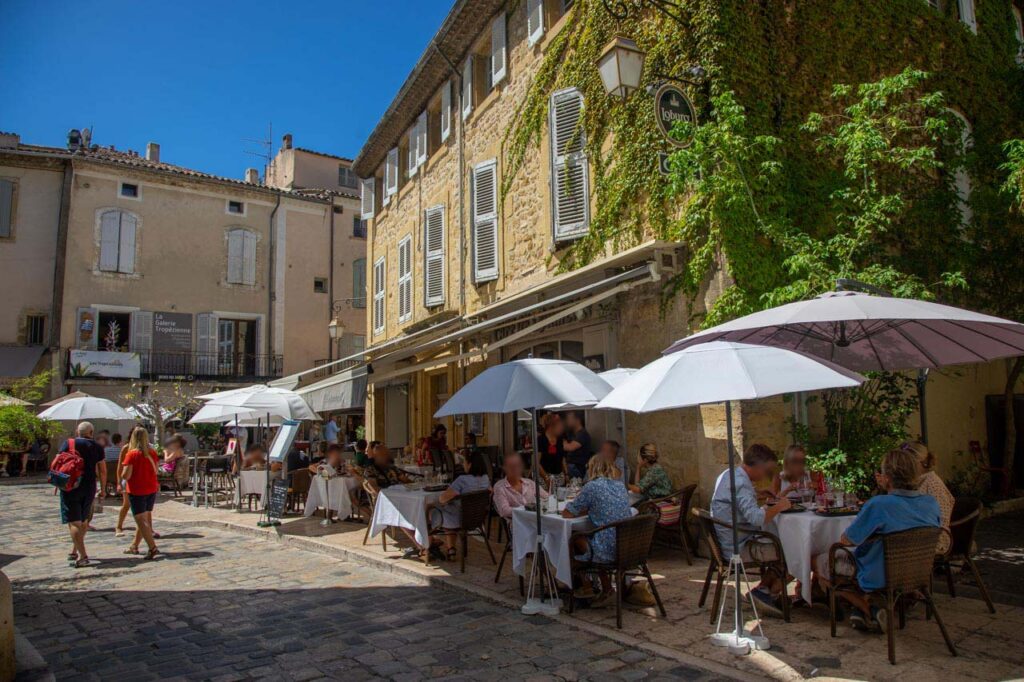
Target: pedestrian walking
x: 76, y: 504
x: 139, y: 478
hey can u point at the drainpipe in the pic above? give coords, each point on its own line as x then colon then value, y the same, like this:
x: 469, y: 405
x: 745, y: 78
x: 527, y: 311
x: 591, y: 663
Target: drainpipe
x: 271, y: 288
x: 330, y: 278
x: 59, y: 265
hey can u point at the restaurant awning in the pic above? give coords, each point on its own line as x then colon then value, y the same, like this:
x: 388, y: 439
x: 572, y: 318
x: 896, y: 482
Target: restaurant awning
x: 342, y: 391
x: 19, y: 361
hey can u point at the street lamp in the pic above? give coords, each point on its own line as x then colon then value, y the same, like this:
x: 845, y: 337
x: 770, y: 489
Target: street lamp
x: 336, y: 328
x: 621, y: 63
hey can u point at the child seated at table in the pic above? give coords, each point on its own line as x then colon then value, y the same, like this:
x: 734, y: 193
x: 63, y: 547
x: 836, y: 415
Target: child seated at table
x: 795, y: 480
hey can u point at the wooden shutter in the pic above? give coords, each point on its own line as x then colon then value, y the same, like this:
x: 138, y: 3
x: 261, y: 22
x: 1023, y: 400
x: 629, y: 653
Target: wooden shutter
x: 413, y: 152
x: 446, y: 110
x: 142, y: 337
x: 391, y: 174
x: 110, y: 240
x: 485, y: 222
x: 236, y: 256
x: 6, y: 208
x: 534, y: 21
x: 405, y: 279
x: 467, y: 87
x: 967, y: 15
x: 378, y: 295
x: 499, y: 59
x: 248, y: 258
x: 206, y: 344
x: 421, y: 139
x: 433, y: 257
x: 366, y: 198
x: 570, y: 171
x: 126, y: 244
x: 359, y: 283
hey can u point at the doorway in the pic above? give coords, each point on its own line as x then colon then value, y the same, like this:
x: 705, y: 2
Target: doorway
x: 236, y: 347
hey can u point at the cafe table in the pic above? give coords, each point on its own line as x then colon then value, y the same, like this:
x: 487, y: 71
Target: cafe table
x: 417, y: 469
x: 331, y: 493
x: 804, y: 535
x: 555, y: 533
x: 404, y: 506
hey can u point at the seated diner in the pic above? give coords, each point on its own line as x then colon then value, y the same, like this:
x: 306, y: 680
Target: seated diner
x: 380, y: 473
x: 255, y: 458
x: 795, y: 480
x: 932, y: 484
x: 174, y: 452
x: 514, y: 490
x: 447, y: 515
x: 651, y: 480
x: 610, y: 453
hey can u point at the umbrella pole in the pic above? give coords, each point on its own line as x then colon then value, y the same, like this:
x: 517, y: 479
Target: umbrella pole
x: 236, y: 458
x: 732, y: 494
x: 922, y: 384
x: 625, y: 449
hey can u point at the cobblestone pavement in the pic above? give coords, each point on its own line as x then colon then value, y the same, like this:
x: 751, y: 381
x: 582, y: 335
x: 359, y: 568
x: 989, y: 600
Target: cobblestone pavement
x: 228, y: 607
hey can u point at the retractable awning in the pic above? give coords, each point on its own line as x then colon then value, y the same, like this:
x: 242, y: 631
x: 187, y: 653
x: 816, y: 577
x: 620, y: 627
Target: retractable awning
x: 19, y: 361
x: 342, y: 391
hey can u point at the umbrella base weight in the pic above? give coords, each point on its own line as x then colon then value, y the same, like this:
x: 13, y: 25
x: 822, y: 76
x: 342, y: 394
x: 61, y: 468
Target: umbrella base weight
x: 267, y: 524
x: 534, y: 606
x: 741, y: 645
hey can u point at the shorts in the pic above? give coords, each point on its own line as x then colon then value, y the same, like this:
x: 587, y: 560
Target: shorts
x: 844, y: 566
x: 76, y: 507
x: 141, y: 504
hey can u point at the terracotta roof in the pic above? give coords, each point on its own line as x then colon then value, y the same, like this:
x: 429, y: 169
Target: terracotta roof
x: 460, y: 29
x: 329, y: 156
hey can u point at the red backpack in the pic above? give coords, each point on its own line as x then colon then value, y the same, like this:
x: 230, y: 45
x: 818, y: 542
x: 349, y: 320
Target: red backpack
x: 67, y: 469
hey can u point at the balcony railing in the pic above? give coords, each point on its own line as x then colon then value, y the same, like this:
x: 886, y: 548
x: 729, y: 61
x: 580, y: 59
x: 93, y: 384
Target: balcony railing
x: 333, y: 369
x: 186, y: 366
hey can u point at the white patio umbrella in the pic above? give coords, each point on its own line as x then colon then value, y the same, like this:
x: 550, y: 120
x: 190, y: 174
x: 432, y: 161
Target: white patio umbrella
x: 865, y: 333
x: 267, y: 400
x: 722, y: 371
x: 527, y: 385
x: 78, y: 409
x: 69, y: 396
x: 9, y: 400
x: 231, y: 391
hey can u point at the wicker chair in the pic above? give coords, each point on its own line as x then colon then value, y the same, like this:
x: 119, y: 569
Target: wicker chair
x: 633, y: 538
x: 371, y: 494
x: 671, y: 511
x: 908, y: 568
x: 720, y: 565
x: 298, y: 491
x: 962, y: 526
x: 475, y: 507
x: 176, y: 481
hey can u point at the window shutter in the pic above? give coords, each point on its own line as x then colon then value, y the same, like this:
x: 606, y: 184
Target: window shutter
x: 142, y: 337
x: 405, y: 279
x: 967, y: 15
x: 6, y: 207
x: 534, y: 21
x: 413, y: 153
x: 498, y: 52
x: 446, y: 110
x: 248, y: 258
x: 126, y: 246
x: 391, y: 174
x: 236, y: 256
x: 570, y: 171
x: 485, y: 222
x: 421, y: 139
x: 206, y: 344
x: 378, y: 296
x: 433, y: 266
x: 1018, y: 31
x: 366, y: 198
x: 110, y: 240
x: 467, y: 87
x: 359, y: 283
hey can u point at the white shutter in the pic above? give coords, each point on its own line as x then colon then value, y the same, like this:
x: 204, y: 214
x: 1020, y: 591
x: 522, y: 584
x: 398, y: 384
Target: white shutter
x: 421, y: 139
x: 412, y: 162
x: 433, y: 265
x: 206, y: 344
x: 405, y: 279
x: 467, y: 87
x: 248, y: 258
x: 498, y: 52
x: 485, y: 222
x: 391, y: 174
x: 1018, y: 31
x: 126, y: 246
x: 142, y: 337
x: 366, y: 198
x: 110, y: 240
x: 570, y: 171
x: 446, y: 110
x: 534, y: 21
x: 236, y: 256
x: 967, y: 14
x: 378, y: 295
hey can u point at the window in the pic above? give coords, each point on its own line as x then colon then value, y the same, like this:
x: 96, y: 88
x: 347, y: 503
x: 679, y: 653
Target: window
x: 433, y: 257
x: 241, y: 257
x: 7, y: 194
x: 35, y: 328
x: 359, y: 283
x: 113, y: 330
x: 570, y: 171
x: 366, y: 198
x: 446, y: 110
x: 499, y: 59
x: 485, y: 222
x: 347, y: 177
x: 417, y: 144
x: 405, y: 279
x: 319, y: 285
x: 1018, y: 30
x: 965, y: 8
x: 467, y: 88
x: 117, y: 241
x: 961, y: 177
x: 236, y: 207
x: 358, y: 227
x: 391, y: 175
x: 130, y: 191
x: 378, y: 295
x: 534, y: 21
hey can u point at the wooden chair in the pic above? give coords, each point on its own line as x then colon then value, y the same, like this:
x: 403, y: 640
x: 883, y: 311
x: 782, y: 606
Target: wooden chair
x: 298, y: 491
x: 984, y: 465
x: 720, y: 565
x: 671, y: 511
x: 962, y: 526
x: 371, y: 494
x: 178, y: 480
x: 633, y: 539
x: 908, y: 569
x: 475, y: 507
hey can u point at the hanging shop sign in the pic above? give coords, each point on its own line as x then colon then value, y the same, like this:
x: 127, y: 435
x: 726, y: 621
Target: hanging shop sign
x: 671, y: 105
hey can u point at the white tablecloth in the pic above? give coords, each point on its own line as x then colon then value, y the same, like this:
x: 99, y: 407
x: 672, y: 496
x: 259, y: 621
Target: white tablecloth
x: 417, y: 469
x: 803, y: 535
x: 404, y: 508
x: 556, y: 531
x: 335, y: 491
x: 252, y: 483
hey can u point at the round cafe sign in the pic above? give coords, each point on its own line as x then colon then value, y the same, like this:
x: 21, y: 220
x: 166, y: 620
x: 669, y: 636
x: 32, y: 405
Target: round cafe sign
x: 671, y: 105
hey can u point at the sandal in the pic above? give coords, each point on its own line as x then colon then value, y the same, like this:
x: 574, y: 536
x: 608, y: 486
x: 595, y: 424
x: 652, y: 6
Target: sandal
x: 81, y: 563
x: 151, y: 554
x: 452, y: 554
x: 73, y: 556
x: 119, y: 532
x: 130, y: 549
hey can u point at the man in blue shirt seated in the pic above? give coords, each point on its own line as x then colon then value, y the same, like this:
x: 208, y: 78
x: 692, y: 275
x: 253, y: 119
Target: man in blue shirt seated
x: 758, y: 465
x: 901, y: 508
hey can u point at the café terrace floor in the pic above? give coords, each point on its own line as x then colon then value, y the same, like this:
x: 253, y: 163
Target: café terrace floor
x: 990, y: 647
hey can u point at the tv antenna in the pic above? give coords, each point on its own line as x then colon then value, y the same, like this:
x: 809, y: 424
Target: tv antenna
x: 267, y: 145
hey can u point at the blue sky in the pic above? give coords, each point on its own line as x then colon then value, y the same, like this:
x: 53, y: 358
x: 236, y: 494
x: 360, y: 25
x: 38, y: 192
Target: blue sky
x: 199, y: 77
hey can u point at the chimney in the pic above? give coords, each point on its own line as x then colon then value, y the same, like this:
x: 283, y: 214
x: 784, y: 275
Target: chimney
x: 252, y: 176
x: 152, y: 151
x: 286, y: 141
x: 86, y: 137
x: 11, y: 140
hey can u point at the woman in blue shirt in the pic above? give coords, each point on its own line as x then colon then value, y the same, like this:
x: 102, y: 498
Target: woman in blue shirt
x: 902, y: 507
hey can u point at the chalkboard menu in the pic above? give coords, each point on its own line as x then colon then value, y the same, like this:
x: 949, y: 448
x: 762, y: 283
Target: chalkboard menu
x: 278, y: 495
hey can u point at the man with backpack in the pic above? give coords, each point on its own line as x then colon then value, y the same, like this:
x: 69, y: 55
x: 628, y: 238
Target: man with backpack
x: 75, y: 471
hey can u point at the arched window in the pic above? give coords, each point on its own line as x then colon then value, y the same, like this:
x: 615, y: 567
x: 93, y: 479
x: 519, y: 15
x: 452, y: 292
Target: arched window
x: 117, y: 241
x: 961, y: 177
x: 241, y: 256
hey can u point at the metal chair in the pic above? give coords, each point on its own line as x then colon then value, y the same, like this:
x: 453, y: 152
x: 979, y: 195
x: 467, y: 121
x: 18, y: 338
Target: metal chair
x: 908, y: 569
x: 962, y: 526
x: 633, y: 538
x: 720, y: 565
x: 671, y: 511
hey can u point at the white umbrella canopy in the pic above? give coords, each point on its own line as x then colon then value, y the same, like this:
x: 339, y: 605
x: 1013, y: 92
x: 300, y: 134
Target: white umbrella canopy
x: 266, y: 400
x: 613, y: 377
x: 218, y: 414
x: 231, y: 391
x: 868, y: 333
x: 77, y: 409
x: 69, y: 396
x: 526, y: 384
x: 9, y: 400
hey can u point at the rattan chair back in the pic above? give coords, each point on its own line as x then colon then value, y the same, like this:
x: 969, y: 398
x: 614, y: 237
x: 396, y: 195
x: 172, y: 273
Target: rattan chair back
x: 475, y: 506
x: 963, y: 524
x: 908, y: 558
x: 707, y: 528
x: 633, y: 539
x: 301, y: 479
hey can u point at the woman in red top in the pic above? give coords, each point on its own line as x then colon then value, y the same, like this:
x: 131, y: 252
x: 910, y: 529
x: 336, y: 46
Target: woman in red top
x: 139, y: 478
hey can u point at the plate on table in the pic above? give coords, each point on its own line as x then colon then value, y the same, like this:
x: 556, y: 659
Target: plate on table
x: 838, y: 511
x: 795, y: 509
x: 435, y: 488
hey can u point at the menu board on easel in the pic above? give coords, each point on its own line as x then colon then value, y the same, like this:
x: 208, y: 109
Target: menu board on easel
x: 284, y: 439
